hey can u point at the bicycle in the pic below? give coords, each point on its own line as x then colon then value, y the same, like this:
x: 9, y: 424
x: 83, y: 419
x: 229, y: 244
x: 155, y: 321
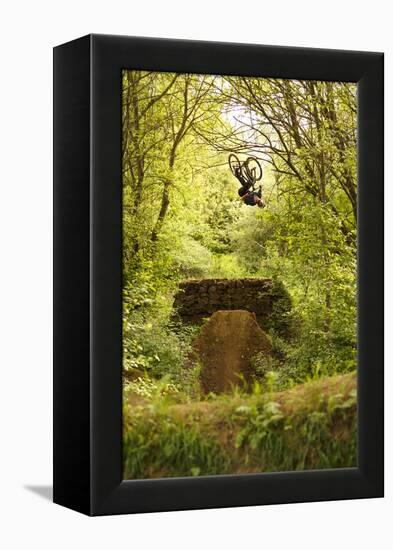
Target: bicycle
x: 247, y: 172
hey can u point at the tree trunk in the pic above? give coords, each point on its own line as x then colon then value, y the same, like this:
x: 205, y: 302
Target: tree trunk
x: 163, y: 211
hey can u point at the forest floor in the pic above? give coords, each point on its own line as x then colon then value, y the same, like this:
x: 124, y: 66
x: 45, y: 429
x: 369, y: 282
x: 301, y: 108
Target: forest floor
x: 309, y: 426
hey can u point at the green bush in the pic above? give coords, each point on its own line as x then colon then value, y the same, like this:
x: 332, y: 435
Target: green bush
x: 160, y: 445
x: 308, y: 427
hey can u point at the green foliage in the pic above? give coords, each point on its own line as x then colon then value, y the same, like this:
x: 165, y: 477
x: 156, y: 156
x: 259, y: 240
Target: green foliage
x: 151, y: 389
x: 257, y: 432
x: 182, y: 218
x: 156, y: 349
x: 273, y: 373
x: 153, y: 344
x: 309, y: 254
x: 267, y: 433
x: 159, y: 445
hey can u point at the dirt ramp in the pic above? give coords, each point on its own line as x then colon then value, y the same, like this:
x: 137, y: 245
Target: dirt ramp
x: 225, y: 346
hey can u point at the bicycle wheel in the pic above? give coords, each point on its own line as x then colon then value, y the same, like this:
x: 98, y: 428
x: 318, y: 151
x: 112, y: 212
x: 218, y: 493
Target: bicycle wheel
x: 253, y: 169
x: 234, y: 163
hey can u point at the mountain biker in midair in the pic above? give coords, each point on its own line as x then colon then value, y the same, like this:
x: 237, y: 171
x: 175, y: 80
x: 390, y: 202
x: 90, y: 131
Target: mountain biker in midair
x: 246, y: 192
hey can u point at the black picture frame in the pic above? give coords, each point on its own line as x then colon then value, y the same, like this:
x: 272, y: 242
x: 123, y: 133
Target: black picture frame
x: 88, y: 275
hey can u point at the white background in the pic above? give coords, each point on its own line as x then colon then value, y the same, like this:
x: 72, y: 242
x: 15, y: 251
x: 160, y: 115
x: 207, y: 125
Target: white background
x: 28, y: 31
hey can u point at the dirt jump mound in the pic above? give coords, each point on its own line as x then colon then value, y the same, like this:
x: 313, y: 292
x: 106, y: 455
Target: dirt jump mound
x: 225, y: 346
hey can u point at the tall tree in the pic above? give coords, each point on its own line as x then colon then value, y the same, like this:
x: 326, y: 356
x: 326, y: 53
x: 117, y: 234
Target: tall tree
x: 185, y: 109
x: 306, y: 130
x: 142, y: 124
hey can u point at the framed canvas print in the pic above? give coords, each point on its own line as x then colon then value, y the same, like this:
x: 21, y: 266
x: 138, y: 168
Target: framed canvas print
x: 218, y: 275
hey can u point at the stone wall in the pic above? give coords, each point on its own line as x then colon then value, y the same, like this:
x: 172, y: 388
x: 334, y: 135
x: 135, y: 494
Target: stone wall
x: 200, y: 298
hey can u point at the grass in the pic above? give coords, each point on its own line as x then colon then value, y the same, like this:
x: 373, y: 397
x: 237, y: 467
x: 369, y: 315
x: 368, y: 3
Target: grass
x: 310, y: 426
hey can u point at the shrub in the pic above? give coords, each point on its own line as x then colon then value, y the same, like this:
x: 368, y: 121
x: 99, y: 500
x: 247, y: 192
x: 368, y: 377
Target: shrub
x: 308, y: 427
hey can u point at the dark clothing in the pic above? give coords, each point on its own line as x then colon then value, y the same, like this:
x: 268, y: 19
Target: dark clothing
x: 247, y: 193
x: 251, y: 198
x: 246, y: 184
